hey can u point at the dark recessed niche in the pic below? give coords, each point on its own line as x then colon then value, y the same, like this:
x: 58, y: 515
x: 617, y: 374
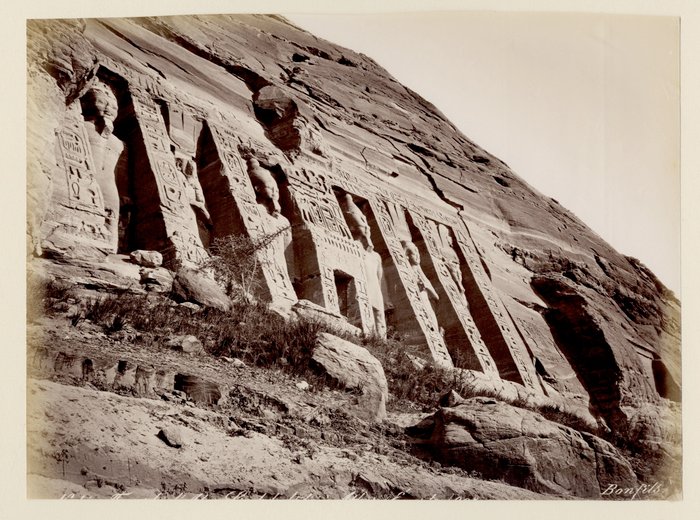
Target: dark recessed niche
x: 501, y: 181
x: 344, y: 61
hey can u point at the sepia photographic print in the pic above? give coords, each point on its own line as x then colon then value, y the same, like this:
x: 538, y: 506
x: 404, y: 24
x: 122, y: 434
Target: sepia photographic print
x: 416, y: 256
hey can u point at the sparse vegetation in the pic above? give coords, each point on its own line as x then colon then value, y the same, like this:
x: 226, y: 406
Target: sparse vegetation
x: 407, y: 384
x: 43, y: 295
x: 250, y: 332
x: 261, y: 337
x: 237, y: 262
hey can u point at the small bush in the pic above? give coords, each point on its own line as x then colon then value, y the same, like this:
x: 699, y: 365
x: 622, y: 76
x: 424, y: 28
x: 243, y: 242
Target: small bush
x: 262, y: 337
x: 556, y: 413
x: 407, y: 384
x: 237, y: 262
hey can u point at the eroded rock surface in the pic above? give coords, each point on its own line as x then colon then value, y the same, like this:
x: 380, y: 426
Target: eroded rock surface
x: 522, y: 448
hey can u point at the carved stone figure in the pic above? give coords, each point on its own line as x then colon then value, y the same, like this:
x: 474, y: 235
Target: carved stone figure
x: 193, y: 189
x: 427, y: 291
x: 100, y: 110
x: 357, y: 222
x: 376, y: 288
x: 280, y: 256
x: 265, y: 186
x: 450, y: 255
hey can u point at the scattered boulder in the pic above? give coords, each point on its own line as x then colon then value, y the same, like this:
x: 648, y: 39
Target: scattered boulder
x: 171, y: 436
x: 156, y: 279
x: 373, y: 485
x: 146, y: 258
x: 306, y: 310
x: 193, y: 286
x: 521, y: 447
x: 354, y: 368
x: 187, y: 344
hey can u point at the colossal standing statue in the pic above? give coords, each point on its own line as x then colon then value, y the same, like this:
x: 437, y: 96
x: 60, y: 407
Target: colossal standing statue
x: 427, y: 291
x: 265, y: 186
x: 276, y: 225
x: 357, y: 222
x: 100, y: 110
x: 376, y: 285
x: 376, y: 289
x: 193, y: 189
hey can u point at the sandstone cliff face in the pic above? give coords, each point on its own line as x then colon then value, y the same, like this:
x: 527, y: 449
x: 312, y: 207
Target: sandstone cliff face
x: 167, y: 134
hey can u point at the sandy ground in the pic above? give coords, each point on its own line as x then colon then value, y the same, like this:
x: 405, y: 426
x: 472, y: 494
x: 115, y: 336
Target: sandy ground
x: 270, y: 439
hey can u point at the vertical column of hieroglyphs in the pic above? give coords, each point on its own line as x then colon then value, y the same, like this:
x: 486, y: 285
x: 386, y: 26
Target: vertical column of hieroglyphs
x: 408, y: 277
x: 179, y: 220
x: 275, y: 275
x: 332, y: 241
x: 513, y: 342
x: 455, y: 294
x: 78, y: 212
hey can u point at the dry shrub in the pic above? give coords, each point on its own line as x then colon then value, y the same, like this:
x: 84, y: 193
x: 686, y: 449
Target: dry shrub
x: 408, y: 385
x: 237, y: 262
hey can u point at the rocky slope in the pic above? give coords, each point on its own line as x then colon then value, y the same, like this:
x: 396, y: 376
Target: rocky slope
x: 166, y: 134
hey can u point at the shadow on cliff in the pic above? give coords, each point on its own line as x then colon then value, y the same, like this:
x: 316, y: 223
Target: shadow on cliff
x: 581, y: 339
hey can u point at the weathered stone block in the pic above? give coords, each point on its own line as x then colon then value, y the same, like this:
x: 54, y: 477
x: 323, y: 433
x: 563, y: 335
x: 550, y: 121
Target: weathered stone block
x: 522, y: 448
x: 354, y: 368
x: 146, y: 258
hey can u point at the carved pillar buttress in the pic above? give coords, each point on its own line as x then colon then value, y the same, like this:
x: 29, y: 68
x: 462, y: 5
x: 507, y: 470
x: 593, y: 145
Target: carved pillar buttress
x: 255, y: 223
x: 182, y: 238
x: 455, y: 294
x: 505, y: 345
x: 409, y: 280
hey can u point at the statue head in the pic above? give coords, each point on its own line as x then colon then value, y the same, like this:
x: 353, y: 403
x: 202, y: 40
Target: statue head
x: 100, y: 105
x: 185, y: 164
x: 411, y: 252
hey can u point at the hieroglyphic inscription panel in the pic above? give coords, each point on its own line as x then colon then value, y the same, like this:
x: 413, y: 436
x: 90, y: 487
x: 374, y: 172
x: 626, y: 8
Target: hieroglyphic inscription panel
x: 515, y: 345
x: 77, y: 213
x: 433, y: 337
x: 319, y: 208
x: 82, y: 188
x: 455, y: 294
